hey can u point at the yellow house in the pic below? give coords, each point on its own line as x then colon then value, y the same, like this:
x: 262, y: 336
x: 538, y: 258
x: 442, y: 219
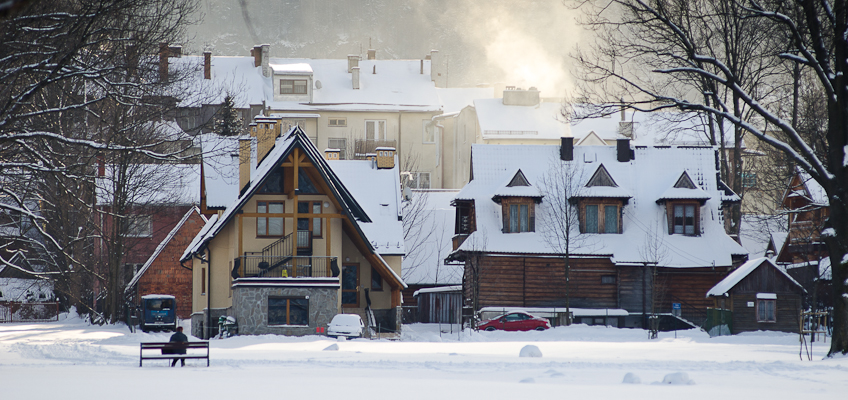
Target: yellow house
x: 305, y: 239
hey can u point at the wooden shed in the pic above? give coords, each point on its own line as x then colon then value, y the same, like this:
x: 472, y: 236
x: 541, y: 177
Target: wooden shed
x: 440, y: 304
x: 760, y: 296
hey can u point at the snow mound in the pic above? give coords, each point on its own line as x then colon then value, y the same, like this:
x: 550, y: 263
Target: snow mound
x: 530, y: 351
x: 527, y: 380
x: 332, y: 347
x: 677, y: 378
x: 632, y: 378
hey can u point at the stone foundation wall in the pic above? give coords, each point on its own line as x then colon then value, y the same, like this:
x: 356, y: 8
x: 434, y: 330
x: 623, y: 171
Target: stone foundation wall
x: 250, y: 307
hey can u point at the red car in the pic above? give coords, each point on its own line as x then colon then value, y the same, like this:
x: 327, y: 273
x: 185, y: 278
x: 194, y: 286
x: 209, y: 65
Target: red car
x: 515, y: 321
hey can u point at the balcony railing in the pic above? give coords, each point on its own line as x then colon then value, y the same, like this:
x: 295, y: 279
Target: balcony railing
x: 285, y: 267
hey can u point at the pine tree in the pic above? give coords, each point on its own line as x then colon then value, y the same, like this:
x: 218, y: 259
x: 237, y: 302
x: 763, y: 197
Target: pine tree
x: 228, y: 122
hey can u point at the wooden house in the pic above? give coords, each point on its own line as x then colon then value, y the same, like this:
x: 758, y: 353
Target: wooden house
x: 303, y: 239
x: 648, y: 236
x: 760, y: 297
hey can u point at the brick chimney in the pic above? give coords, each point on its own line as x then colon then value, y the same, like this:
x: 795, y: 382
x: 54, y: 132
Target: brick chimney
x: 372, y: 54
x: 163, y: 61
x: 244, y: 161
x: 331, y: 154
x: 566, y: 149
x: 385, y: 157
x: 355, y: 77
x: 352, y: 61
x: 267, y: 131
x: 175, y: 51
x: 207, y: 65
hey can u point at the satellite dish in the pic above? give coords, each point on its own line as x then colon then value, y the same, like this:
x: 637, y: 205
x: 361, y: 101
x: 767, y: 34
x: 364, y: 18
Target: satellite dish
x: 317, y: 84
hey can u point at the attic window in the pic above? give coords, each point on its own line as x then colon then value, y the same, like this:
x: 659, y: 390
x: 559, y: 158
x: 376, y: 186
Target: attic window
x: 518, y: 180
x: 519, y: 215
x: 601, y: 216
x: 684, y: 182
x: 292, y: 86
x: 684, y: 219
x: 601, y: 178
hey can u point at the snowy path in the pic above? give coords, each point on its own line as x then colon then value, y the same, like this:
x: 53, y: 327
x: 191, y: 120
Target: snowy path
x: 70, y: 359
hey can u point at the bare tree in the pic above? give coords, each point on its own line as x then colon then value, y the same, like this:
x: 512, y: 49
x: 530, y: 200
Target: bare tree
x: 653, y: 254
x: 560, y: 225
x: 657, y: 47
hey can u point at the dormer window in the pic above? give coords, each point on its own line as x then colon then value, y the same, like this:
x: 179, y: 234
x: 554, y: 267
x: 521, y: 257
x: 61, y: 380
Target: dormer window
x: 292, y: 86
x: 683, y: 203
x: 600, y: 203
x: 519, y: 215
x: 684, y: 219
x: 601, y: 218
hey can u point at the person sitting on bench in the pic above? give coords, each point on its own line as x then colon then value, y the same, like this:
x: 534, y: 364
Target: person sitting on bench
x: 179, y: 337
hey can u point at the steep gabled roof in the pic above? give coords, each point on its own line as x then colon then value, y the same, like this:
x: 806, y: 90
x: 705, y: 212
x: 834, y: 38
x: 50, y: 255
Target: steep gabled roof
x: 601, y: 184
x: 517, y: 186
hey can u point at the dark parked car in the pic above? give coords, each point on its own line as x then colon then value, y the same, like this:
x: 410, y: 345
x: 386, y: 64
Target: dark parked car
x: 515, y: 321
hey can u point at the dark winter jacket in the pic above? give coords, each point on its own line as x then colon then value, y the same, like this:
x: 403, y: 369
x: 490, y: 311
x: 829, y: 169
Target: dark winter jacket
x: 179, y: 337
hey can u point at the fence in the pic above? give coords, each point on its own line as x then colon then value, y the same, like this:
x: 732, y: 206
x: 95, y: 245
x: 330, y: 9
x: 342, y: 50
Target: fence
x: 719, y: 322
x: 12, y: 311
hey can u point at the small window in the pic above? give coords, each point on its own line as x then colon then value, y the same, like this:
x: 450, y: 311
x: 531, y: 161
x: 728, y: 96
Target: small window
x: 608, y: 279
x: 137, y: 226
x: 292, y: 86
x: 519, y: 217
x: 766, y: 310
x: 418, y: 180
x: 273, y: 183
x: 336, y: 122
x: 376, y: 280
x: 601, y: 218
x: 684, y: 219
x: 749, y: 179
x: 288, y: 311
x: 375, y: 129
x: 269, y: 227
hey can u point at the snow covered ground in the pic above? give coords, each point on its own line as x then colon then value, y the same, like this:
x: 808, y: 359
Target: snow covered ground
x: 71, y: 359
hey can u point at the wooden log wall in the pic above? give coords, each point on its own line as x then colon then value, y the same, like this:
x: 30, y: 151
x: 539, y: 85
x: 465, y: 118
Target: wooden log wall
x: 745, y: 318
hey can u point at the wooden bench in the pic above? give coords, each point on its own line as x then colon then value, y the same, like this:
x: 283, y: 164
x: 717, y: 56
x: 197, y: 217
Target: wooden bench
x: 170, y: 347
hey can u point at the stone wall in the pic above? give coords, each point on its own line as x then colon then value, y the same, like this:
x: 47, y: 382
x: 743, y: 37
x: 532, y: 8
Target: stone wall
x: 250, y: 307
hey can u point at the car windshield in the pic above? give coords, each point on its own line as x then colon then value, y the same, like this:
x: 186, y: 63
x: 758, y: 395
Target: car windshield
x: 346, y: 319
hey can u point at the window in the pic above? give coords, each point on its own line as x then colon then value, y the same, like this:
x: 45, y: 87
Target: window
x: 304, y: 184
x: 418, y: 180
x: 464, y: 217
x: 137, y: 225
x: 608, y: 279
x: 684, y: 219
x: 429, y: 131
x: 304, y: 224
x: 338, y: 143
x: 519, y: 216
x: 269, y: 226
x: 601, y: 218
x: 376, y: 280
x: 337, y: 122
x: 203, y: 281
x: 766, y: 310
x: 288, y: 311
x: 274, y: 182
x: 749, y: 179
x: 375, y: 129
x: 292, y: 86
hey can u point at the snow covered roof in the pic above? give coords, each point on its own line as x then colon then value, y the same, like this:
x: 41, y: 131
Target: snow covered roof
x: 726, y: 284
x: 684, y: 189
x: 176, y: 184
x: 517, y: 186
x: 430, y: 238
x: 384, y: 85
x: 540, y: 122
x: 440, y: 289
x: 161, y: 246
x: 645, y: 178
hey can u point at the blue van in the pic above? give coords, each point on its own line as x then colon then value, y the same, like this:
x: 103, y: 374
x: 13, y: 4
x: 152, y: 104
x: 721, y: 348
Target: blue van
x: 158, y: 313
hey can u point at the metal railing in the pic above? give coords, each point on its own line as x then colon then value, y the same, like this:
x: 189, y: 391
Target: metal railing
x: 279, y: 249
x: 253, y: 266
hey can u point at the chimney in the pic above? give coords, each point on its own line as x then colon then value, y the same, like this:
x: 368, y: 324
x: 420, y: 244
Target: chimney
x: 623, y: 150
x: 374, y: 71
x: 244, y: 161
x: 163, y: 61
x: 372, y: 54
x: 256, y: 52
x: 566, y: 149
x: 623, y: 117
x: 352, y: 61
x: 207, y: 65
x: 385, y: 157
x: 266, y: 135
x: 372, y: 157
x: 175, y: 51
x: 436, y: 74
x: 266, y: 60
x: 422, y: 68
x: 331, y: 154
x: 518, y: 97
x: 355, y: 77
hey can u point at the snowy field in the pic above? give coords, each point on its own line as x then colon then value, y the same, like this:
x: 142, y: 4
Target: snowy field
x: 73, y: 360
